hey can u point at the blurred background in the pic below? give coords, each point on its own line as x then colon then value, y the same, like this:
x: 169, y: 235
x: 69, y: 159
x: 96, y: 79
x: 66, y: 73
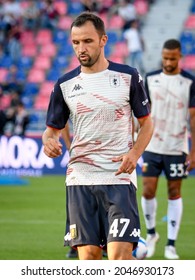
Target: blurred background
x: 35, y: 48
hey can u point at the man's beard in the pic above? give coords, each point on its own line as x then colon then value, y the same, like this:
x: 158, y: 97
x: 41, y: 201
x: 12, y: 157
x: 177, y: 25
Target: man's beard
x: 89, y: 62
x: 170, y: 69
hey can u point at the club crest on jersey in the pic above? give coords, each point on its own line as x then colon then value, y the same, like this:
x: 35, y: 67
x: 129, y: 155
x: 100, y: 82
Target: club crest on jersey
x: 73, y: 231
x: 114, y: 80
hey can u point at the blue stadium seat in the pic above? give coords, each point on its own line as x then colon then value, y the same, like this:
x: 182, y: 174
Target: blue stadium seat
x: 60, y: 61
x: 112, y: 37
x: 68, y: 50
x: 187, y: 40
x: 53, y: 74
x: 28, y: 101
x: 192, y: 9
x: 6, y: 61
x: 30, y: 89
x: 25, y: 63
x: 75, y: 8
x: 60, y: 37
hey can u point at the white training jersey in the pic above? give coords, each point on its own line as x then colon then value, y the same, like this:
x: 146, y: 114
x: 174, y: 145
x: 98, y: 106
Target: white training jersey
x: 100, y: 107
x: 170, y: 96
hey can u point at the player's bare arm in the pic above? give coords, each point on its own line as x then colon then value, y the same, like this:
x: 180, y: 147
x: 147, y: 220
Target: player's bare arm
x: 52, y: 145
x: 191, y: 157
x: 129, y: 160
x: 65, y: 133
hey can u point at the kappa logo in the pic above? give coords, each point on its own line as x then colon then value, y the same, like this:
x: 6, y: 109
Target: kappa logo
x: 139, y: 78
x: 145, y: 102
x: 77, y: 87
x: 173, y: 223
x: 67, y: 237
x: 148, y: 217
x: 135, y: 232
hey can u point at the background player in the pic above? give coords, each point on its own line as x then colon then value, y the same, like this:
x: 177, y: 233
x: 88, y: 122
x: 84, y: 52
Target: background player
x: 171, y: 92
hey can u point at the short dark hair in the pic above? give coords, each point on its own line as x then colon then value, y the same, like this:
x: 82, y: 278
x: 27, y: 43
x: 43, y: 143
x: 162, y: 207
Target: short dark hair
x: 172, y: 44
x: 94, y: 19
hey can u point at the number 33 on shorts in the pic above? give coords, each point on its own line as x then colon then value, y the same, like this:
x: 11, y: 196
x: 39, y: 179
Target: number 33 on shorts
x: 177, y: 170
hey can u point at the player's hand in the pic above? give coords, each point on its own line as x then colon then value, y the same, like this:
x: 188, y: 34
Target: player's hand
x: 190, y: 161
x: 128, y: 163
x: 52, y: 148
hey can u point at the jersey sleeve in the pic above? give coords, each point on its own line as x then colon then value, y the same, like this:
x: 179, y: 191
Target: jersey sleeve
x: 147, y: 89
x: 138, y: 97
x: 58, y: 111
x: 192, y: 95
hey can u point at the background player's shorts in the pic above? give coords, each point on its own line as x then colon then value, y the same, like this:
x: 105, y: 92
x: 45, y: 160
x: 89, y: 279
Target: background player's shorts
x: 173, y: 166
x: 100, y: 214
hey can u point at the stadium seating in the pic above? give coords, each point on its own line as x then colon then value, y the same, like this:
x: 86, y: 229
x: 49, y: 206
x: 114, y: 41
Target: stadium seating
x: 53, y: 74
x: 141, y: 7
x: 48, y: 50
x: 46, y: 88
x: 5, y: 61
x: 190, y: 22
x: 75, y: 8
x: 47, y: 54
x: 3, y: 74
x: 64, y: 22
x: 29, y: 50
x: 5, y: 101
x: 27, y: 37
x: 41, y: 102
x: 61, y: 7
x: 42, y: 62
x: 36, y: 76
x: 187, y: 39
x: 60, y: 37
x: 43, y: 37
x: 188, y: 62
x: 25, y: 63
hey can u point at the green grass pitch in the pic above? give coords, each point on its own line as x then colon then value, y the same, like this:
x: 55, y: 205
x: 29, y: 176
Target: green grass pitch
x: 32, y: 220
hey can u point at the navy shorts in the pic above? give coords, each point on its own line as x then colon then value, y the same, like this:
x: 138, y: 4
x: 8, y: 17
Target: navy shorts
x: 100, y: 214
x: 173, y: 166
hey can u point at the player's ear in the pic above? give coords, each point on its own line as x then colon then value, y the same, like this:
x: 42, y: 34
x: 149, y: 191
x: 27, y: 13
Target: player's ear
x: 103, y: 40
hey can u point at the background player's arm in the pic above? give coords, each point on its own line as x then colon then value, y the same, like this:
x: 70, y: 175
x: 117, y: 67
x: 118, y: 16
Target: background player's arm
x: 191, y: 157
x: 52, y: 145
x: 135, y: 128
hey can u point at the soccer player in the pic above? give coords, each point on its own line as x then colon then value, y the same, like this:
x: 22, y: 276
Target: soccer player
x: 171, y: 92
x: 99, y: 96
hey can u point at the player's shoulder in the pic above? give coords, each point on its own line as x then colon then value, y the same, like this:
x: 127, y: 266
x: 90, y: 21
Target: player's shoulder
x: 121, y: 68
x: 69, y: 75
x: 153, y: 73
x: 187, y: 75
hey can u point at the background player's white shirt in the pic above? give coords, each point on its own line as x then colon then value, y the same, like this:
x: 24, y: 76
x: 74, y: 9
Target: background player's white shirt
x: 99, y: 105
x: 169, y: 95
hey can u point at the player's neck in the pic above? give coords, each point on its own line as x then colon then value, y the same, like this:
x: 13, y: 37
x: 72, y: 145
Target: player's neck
x: 176, y: 72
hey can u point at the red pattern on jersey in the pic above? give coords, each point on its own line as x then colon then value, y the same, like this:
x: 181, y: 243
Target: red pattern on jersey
x: 81, y: 109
